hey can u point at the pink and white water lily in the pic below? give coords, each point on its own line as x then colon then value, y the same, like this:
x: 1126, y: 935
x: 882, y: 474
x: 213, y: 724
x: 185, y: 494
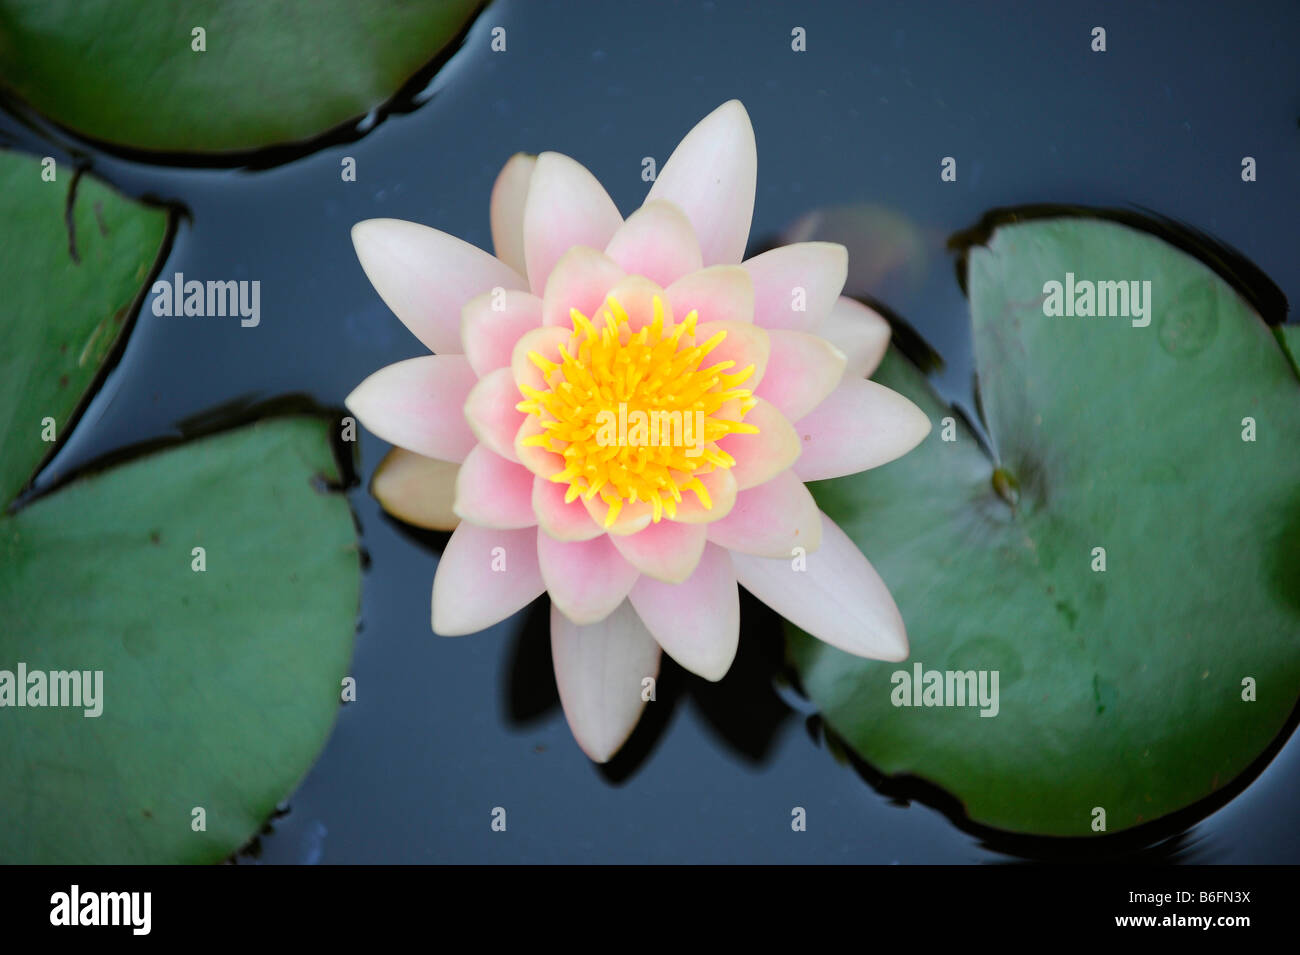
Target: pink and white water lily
x: 622, y: 414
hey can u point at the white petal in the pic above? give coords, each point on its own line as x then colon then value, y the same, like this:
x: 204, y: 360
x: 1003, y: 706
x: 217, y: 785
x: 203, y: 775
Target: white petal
x: 426, y: 276
x: 417, y: 404
x: 507, y: 209
x: 599, y: 669
x: 566, y: 206
x: 796, y: 286
x: 859, y: 332
x: 483, y: 577
x: 860, y: 425
x: 838, y: 597
x: 711, y: 176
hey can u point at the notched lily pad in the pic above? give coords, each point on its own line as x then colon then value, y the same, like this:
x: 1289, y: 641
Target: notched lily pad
x: 1170, y: 451
x: 74, y: 268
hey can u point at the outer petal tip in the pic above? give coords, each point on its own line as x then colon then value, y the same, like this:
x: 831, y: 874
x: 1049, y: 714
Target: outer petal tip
x: 599, y: 671
x: 860, y: 332
x: 364, y: 232
x: 711, y: 175
x: 484, y: 576
x: 861, y: 425
x: 414, y: 404
x: 697, y: 622
x: 506, y: 209
x: 915, y: 423
x: 566, y: 206
x: 839, y: 598
x: 425, y: 276
x: 796, y: 286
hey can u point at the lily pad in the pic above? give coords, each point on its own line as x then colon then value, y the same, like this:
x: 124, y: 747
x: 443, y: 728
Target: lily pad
x: 128, y: 72
x: 1289, y: 336
x: 220, y: 676
x: 219, y: 686
x: 75, y: 265
x: 1136, y: 690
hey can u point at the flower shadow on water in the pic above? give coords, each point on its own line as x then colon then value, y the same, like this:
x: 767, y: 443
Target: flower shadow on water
x: 742, y: 709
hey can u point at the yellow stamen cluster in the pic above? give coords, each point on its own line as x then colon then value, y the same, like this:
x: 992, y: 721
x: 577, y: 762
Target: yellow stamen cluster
x: 608, y: 372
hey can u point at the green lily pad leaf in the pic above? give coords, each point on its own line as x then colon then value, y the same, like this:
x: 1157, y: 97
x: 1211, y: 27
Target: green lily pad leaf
x: 219, y: 685
x: 216, y: 75
x: 1289, y: 336
x: 70, y: 284
x: 1165, y: 454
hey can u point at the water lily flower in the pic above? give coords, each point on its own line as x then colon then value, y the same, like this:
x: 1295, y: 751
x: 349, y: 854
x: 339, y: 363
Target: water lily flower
x: 532, y: 426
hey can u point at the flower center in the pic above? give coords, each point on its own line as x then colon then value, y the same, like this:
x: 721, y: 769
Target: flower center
x: 636, y: 415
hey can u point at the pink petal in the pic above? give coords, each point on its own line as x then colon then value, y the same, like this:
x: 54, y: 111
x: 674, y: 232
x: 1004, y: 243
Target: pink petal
x: 545, y: 342
x: 416, y: 403
x: 761, y: 457
x: 859, y: 332
x: 636, y: 294
x: 426, y: 276
x: 587, y: 579
x: 563, y: 521
x: 565, y: 207
x: 579, y: 280
x: 491, y: 324
x: 838, y: 598
x: 667, y: 551
x: 416, y: 489
x: 494, y: 492
x: 656, y: 241
x: 542, y: 462
x: 771, y: 520
x: 483, y: 577
x: 745, y: 344
x: 632, y: 517
x: 507, y: 209
x: 803, y: 370
x: 490, y: 410
x: 599, y: 671
x: 720, y: 293
x: 719, y: 485
x: 697, y: 621
x: 711, y: 176
x: 860, y: 425
x: 795, y: 286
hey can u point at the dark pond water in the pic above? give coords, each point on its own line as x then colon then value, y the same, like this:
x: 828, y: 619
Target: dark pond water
x: 445, y: 730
